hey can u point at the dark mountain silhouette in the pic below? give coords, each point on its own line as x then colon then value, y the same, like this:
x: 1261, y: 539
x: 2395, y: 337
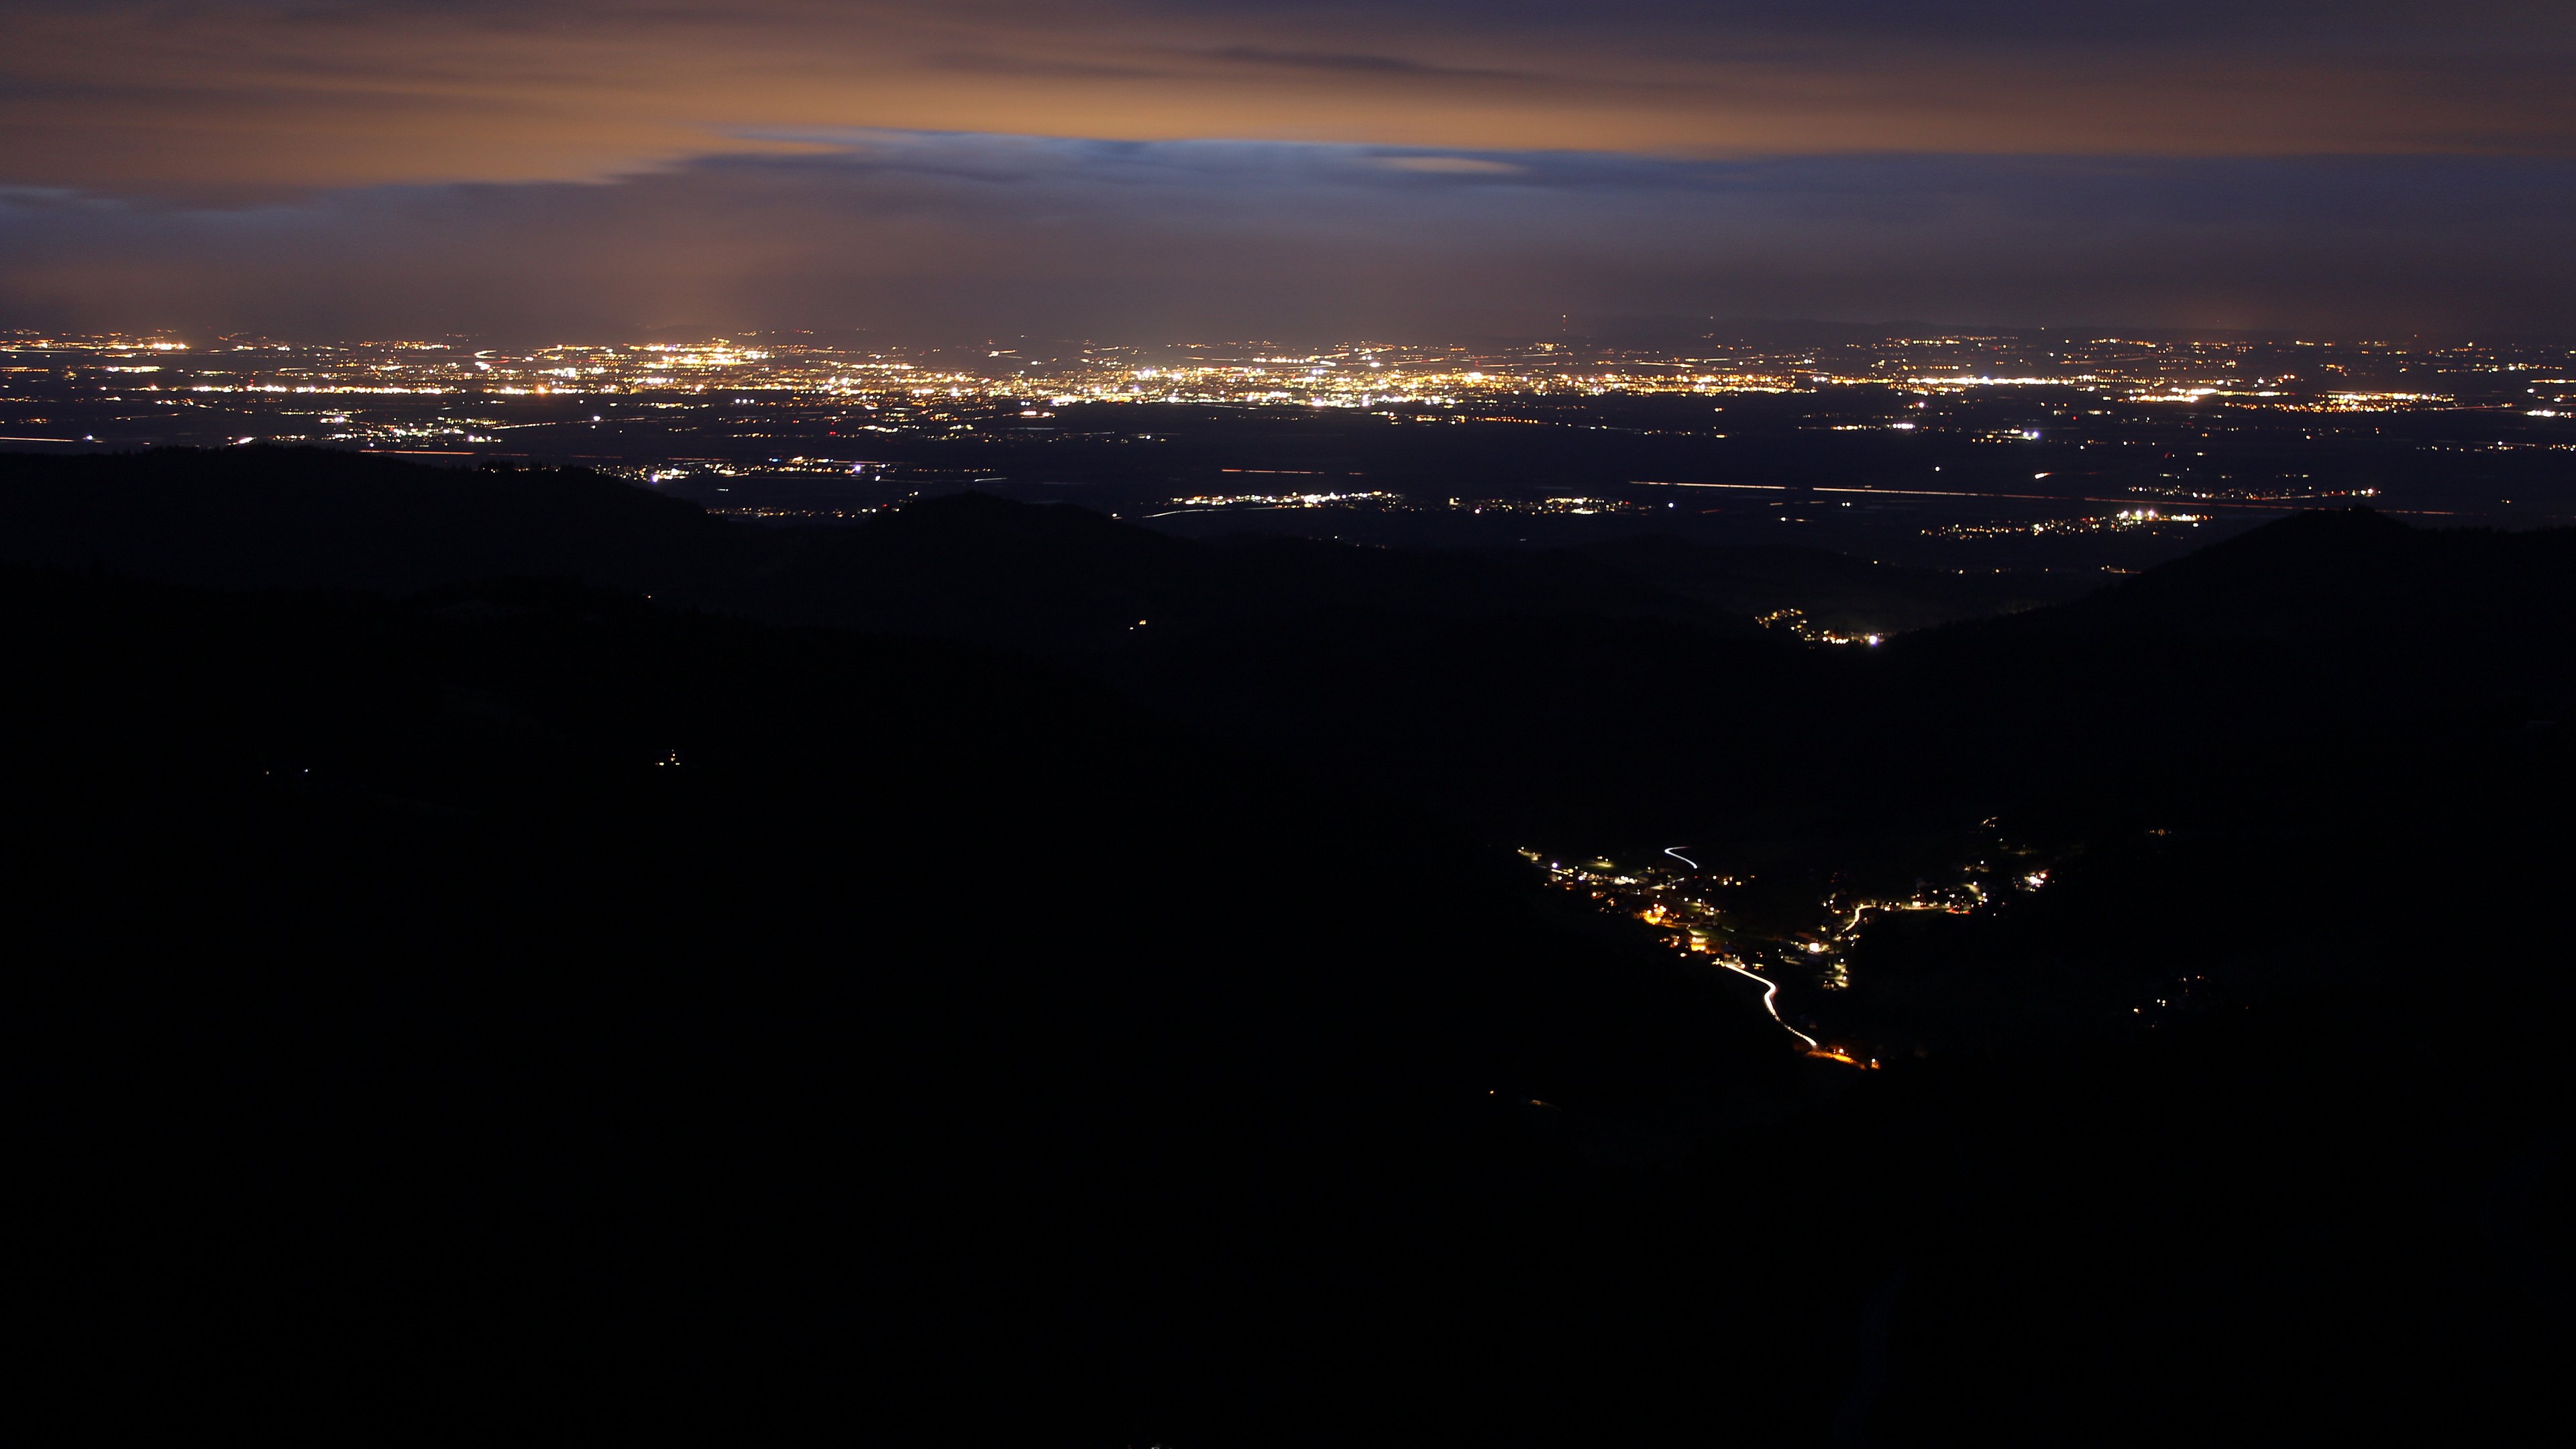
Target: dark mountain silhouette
x: 2351, y: 579
x: 2329, y: 645
x: 530, y: 926
x: 867, y: 985
x: 1848, y: 595
x: 1066, y: 577
x: 968, y: 565
x: 307, y: 518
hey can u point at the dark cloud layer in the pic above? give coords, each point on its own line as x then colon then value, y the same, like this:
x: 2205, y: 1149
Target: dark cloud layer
x: 947, y: 235
x: 181, y: 98
x: 1281, y: 166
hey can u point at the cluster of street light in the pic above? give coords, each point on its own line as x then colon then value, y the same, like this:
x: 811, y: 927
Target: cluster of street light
x: 1688, y: 906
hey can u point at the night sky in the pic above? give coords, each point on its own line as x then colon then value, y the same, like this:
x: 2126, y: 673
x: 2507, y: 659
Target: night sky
x: 1147, y: 169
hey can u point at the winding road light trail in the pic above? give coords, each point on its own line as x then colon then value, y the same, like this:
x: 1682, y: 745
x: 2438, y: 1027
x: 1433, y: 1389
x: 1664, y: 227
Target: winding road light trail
x: 1770, y: 988
x: 1771, y: 1003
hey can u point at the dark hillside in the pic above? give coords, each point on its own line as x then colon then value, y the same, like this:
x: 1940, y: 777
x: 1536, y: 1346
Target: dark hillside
x: 961, y: 566
x: 2270, y: 672
x: 2331, y: 755
x: 2327, y: 649
x: 631, y: 993
x: 2349, y: 580
x: 310, y: 518
x: 1834, y: 591
x: 1063, y: 577
x: 439, y: 1011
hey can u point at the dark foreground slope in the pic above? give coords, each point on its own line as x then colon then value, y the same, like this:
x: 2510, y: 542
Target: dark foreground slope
x: 1833, y: 591
x: 964, y: 566
x: 304, y: 518
x: 527, y: 992
x: 474, y: 1008
x: 2333, y: 750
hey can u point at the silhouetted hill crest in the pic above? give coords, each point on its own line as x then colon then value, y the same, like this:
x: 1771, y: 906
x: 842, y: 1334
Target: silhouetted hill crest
x: 974, y: 566
x: 263, y: 517
x: 1835, y: 591
x: 967, y: 565
x: 2347, y: 578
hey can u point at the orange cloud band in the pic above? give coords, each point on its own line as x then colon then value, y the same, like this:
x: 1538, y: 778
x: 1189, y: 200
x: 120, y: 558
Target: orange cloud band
x: 209, y: 98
